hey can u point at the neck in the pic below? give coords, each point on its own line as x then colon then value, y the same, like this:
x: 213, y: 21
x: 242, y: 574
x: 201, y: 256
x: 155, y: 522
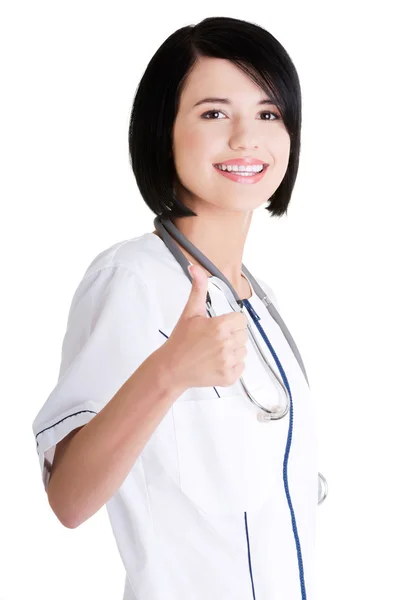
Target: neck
x: 221, y: 242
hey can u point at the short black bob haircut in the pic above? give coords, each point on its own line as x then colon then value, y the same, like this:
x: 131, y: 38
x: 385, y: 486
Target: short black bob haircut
x: 252, y: 49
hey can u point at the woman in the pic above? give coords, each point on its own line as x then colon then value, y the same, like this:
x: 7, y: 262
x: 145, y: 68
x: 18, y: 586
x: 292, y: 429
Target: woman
x: 206, y: 500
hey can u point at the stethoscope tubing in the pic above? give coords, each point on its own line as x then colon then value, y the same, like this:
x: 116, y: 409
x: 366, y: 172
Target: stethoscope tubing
x: 168, y: 232
x: 274, y: 412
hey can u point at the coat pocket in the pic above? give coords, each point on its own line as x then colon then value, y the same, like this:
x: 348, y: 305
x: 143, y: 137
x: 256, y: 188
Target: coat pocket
x: 225, y: 454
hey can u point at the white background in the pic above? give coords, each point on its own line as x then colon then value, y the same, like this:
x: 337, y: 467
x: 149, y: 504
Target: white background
x: 68, y: 76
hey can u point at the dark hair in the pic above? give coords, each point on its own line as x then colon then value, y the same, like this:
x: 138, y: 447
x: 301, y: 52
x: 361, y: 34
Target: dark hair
x: 252, y: 49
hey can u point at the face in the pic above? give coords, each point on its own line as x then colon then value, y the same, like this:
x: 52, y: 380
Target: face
x: 216, y: 132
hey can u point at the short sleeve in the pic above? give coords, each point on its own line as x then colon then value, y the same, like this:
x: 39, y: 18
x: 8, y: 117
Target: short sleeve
x: 110, y: 332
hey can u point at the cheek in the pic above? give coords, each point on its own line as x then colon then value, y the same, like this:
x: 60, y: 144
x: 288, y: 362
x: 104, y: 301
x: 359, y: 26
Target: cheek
x: 193, y: 141
x: 280, y: 151
x: 192, y: 148
x: 282, y: 145
x: 281, y: 157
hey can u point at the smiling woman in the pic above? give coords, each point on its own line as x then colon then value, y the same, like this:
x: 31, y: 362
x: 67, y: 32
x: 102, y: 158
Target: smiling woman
x: 217, y: 101
x: 223, y: 81
x: 207, y: 500
x: 225, y: 106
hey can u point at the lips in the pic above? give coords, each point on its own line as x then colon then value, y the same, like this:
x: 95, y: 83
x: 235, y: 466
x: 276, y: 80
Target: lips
x: 242, y: 162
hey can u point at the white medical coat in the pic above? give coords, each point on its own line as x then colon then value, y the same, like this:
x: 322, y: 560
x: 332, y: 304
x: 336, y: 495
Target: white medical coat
x: 205, y: 512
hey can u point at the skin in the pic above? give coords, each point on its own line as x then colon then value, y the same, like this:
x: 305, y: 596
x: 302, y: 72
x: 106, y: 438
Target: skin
x: 239, y: 129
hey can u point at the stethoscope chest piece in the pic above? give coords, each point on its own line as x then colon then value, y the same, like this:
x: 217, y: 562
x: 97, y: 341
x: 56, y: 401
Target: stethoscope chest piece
x: 264, y: 417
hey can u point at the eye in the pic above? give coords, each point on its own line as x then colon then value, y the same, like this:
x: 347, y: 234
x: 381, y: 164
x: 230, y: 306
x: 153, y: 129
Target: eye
x: 269, y: 112
x: 210, y: 112
x: 215, y: 111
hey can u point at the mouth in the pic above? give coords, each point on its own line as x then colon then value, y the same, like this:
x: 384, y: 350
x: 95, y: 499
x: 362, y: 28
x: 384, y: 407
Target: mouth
x: 242, y: 176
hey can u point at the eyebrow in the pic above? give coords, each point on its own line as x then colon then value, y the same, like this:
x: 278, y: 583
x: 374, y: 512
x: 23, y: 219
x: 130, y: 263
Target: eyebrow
x: 227, y: 101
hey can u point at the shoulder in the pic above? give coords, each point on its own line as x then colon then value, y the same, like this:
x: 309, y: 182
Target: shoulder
x: 116, y: 280
x: 135, y: 255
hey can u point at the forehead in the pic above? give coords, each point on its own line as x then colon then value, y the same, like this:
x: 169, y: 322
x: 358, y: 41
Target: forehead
x: 218, y: 77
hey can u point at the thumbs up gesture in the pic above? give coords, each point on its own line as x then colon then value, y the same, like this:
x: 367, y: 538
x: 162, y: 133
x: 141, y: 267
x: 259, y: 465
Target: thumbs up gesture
x: 207, y: 351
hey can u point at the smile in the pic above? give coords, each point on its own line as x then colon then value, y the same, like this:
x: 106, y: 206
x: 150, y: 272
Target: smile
x: 242, y: 176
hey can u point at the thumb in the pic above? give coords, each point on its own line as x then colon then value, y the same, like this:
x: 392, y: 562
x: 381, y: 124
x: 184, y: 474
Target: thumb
x: 196, y: 304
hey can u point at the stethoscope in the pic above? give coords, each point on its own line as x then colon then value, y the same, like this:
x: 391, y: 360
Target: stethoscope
x: 168, y: 233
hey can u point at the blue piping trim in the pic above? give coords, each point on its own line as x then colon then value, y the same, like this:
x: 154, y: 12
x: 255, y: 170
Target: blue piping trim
x: 249, y: 555
x: 61, y: 420
x: 256, y: 319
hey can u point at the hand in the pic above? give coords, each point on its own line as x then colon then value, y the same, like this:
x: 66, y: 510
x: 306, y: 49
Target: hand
x: 206, y: 351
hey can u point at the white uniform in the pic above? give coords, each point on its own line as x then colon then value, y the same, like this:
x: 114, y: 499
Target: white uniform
x: 208, y: 511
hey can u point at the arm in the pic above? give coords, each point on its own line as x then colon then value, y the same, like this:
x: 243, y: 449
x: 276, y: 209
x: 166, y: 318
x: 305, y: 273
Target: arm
x: 111, y: 442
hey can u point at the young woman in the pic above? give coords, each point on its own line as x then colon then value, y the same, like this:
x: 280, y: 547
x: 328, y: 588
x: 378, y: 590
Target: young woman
x: 207, y: 500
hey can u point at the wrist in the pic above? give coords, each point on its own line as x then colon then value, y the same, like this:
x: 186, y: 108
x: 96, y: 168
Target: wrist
x: 168, y: 372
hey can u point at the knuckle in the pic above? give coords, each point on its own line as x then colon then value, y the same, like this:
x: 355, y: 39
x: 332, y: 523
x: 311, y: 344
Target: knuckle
x: 225, y: 357
x: 220, y: 330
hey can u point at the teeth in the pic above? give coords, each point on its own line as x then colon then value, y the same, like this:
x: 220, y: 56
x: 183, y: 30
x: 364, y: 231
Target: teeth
x: 241, y: 168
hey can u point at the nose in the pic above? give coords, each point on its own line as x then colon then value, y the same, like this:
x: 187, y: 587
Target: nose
x: 244, y: 137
